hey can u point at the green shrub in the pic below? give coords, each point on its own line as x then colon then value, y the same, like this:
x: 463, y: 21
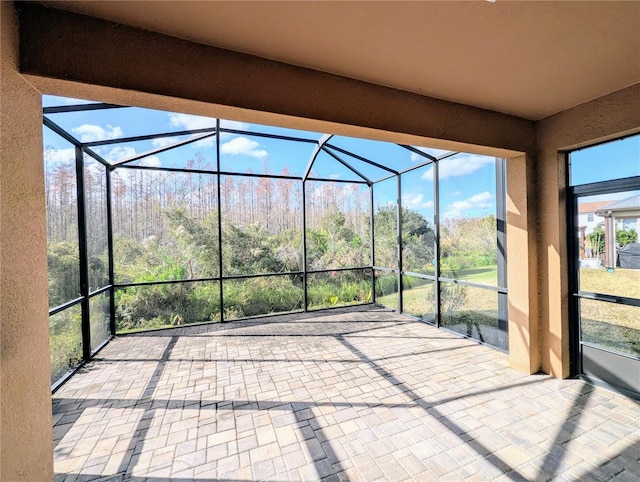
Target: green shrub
x: 261, y: 296
x: 386, y: 284
x: 623, y: 237
x: 145, y: 307
x: 626, y: 236
x: 65, y: 341
x: 323, y: 293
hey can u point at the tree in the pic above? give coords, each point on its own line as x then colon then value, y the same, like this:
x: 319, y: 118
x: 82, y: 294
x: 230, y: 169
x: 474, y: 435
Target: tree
x: 63, y: 261
x: 417, y: 239
x: 626, y: 236
x: 468, y: 243
x: 596, y: 238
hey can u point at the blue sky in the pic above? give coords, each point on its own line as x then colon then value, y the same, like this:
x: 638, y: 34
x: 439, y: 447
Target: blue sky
x: 611, y: 160
x: 467, y: 186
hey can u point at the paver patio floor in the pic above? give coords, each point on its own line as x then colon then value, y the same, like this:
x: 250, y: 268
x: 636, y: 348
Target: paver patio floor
x: 338, y: 395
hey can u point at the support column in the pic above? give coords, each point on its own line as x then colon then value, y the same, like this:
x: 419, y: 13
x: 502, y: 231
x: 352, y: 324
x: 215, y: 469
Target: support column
x: 522, y: 282
x: 609, y: 242
x: 26, y: 451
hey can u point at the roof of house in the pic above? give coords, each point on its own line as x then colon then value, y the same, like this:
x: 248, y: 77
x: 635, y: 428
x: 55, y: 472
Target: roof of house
x: 592, y: 207
x: 630, y: 203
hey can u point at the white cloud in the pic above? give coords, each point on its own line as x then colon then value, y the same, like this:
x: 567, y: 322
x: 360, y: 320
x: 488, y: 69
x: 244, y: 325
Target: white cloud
x: 94, y: 167
x: 243, y: 146
x: 54, y: 100
x: 191, y: 122
x: 119, y: 152
x: 237, y: 125
x: 459, y: 166
x: 207, y: 142
x: 415, y: 201
x: 152, y: 161
x: 427, y: 150
x: 483, y: 200
x: 91, y: 132
x: 164, y: 141
x: 122, y: 152
x: 59, y: 155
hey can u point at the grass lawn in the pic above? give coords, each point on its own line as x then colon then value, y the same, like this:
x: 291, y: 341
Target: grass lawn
x: 610, y: 325
x: 620, y: 282
x: 418, y: 299
x: 487, y: 275
x: 610, y: 334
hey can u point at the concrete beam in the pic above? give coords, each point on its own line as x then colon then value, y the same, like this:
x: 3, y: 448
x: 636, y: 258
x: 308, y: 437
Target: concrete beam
x: 67, y: 46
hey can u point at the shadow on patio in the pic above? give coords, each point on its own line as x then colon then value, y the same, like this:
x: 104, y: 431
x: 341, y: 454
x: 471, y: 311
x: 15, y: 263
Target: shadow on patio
x: 360, y: 394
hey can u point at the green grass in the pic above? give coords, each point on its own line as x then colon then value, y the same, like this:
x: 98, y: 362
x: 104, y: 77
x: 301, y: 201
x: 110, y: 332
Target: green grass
x: 613, y: 336
x: 418, y: 299
x: 620, y: 282
x: 484, y: 275
x: 613, y: 326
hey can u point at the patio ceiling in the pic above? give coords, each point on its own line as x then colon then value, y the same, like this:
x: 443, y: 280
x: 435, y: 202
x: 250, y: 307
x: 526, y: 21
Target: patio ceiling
x: 529, y: 59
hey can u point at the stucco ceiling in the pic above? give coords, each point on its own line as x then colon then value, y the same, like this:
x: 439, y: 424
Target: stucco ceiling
x: 530, y: 59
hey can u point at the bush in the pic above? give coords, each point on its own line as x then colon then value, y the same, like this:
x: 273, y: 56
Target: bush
x: 342, y: 290
x: 386, y: 284
x: 261, y: 296
x: 63, y: 262
x: 147, y: 307
x: 65, y: 341
x: 623, y: 237
x: 626, y: 236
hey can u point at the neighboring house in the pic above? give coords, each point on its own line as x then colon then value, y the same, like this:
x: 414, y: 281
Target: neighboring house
x: 587, y: 217
x: 624, y: 214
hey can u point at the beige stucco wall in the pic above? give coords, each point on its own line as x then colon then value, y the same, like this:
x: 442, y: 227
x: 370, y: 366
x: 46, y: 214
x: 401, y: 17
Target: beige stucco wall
x: 25, y: 388
x: 522, y: 267
x: 605, y: 118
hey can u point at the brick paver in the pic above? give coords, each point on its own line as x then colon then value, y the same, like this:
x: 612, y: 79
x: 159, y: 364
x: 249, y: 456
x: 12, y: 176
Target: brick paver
x: 363, y: 394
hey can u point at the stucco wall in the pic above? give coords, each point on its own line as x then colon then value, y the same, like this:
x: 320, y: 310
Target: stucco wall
x: 25, y: 388
x: 602, y: 119
x: 522, y: 267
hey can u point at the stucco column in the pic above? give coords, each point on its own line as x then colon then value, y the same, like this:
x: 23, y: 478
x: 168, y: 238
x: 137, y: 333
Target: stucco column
x: 524, y: 329
x: 26, y: 451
